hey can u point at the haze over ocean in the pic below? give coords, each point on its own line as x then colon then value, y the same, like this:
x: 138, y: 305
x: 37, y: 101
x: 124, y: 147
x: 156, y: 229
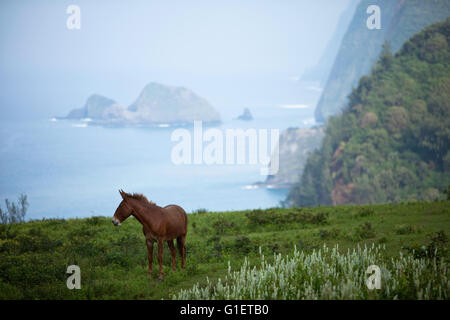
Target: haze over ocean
x: 68, y: 169
x: 234, y: 54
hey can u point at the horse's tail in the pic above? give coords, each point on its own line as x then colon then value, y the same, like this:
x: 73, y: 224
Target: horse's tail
x: 184, y: 214
x: 185, y: 219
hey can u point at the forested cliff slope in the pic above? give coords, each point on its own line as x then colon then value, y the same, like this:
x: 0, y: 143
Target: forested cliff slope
x: 361, y: 46
x: 392, y: 142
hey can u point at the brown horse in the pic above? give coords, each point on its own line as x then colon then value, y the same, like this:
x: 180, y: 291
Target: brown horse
x: 159, y: 225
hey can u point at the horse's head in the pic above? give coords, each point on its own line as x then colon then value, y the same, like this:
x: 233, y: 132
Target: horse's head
x: 123, y: 211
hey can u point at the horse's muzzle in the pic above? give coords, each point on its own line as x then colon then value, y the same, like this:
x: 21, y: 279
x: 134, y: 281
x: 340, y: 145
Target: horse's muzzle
x: 115, y: 222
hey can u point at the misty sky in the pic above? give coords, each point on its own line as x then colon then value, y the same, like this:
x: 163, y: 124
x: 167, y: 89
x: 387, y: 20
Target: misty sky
x: 226, y: 51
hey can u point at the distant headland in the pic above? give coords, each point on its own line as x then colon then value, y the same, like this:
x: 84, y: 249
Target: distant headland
x: 157, y: 105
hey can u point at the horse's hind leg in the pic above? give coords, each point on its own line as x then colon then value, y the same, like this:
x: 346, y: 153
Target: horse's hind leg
x: 150, y: 255
x: 182, y: 248
x: 173, y: 252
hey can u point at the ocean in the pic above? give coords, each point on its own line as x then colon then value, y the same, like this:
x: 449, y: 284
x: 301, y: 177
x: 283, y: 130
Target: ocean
x: 72, y: 169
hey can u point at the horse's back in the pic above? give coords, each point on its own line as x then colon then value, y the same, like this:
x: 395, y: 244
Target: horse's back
x: 177, y: 217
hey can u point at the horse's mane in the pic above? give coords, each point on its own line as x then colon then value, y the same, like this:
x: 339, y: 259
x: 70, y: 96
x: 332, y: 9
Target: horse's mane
x: 143, y: 199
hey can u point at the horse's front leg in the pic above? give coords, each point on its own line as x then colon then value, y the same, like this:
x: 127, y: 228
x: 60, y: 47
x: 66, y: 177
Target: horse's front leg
x: 150, y: 255
x: 160, y: 258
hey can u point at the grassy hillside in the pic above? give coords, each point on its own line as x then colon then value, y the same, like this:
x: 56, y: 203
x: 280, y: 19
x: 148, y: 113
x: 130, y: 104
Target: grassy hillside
x: 34, y: 255
x: 392, y: 142
x: 360, y: 47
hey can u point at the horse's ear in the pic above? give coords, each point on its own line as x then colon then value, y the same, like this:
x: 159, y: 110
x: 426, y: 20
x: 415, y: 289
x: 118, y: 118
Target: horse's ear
x: 123, y: 194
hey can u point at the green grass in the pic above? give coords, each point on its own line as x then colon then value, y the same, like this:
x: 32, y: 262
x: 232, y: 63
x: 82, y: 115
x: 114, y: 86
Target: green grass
x: 34, y: 255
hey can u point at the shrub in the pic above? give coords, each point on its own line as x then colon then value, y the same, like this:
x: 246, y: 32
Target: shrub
x: 328, y: 274
x: 221, y: 225
x: 116, y: 257
x: 382, y: 240
x: 402, y: 229
x: 446, y: 191
x: 434, y: 250
x: 319, y: 218
x: 328, y: 234
x: 94, y: 221
x: 217, y: 247
x: 200, y: 211
x: 365, y: 212
x: 364, y: 231
x: 242, y: 244
x: 258, y: 217
x: 30, y: 270
x: 276, y: 217
x: 6, y: 232
x: 15, y: 212
x: 54, y: 222
x: 192, y: 269
x: 34, y: 241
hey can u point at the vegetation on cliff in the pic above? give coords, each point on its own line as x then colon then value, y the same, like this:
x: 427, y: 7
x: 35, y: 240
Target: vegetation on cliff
x: 361, y: 46
x: 392, y: 142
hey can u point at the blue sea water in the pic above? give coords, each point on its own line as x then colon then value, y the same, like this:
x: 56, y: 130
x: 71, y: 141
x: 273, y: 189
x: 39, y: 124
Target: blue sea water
x: 72, y: 169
